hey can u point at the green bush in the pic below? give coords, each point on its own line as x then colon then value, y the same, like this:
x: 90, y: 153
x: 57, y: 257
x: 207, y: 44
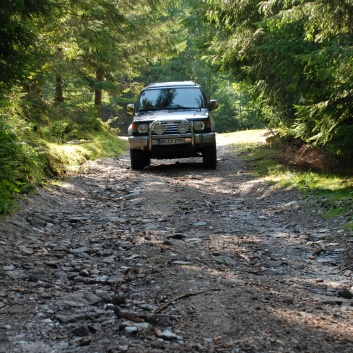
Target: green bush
x: 33, y: 142
x: 20, y: 167
x: 67, y: 122
x: 342, y: 142
x: 56, y: 131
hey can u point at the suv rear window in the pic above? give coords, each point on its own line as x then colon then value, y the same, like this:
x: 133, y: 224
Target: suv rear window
x: 172, y: 98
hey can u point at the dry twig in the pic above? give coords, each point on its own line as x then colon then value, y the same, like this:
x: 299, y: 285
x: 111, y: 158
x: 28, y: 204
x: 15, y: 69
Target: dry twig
x: 161, y: 308
x: 128, y: 316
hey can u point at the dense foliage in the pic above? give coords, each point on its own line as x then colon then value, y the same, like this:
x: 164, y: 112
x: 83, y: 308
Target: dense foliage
x: 56, y: 60
x: 296, y: 57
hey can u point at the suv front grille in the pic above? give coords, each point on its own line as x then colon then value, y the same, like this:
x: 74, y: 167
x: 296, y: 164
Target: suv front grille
x: 172, y: 128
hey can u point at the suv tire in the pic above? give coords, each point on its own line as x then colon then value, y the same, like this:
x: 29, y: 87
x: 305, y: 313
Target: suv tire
x: 139, y: 159
x: 209, y: 157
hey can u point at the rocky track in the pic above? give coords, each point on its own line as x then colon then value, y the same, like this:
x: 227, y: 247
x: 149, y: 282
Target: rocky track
x: 173, y: 259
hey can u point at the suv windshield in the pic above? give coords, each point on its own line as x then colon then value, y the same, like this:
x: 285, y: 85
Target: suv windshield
x: 172, y: 98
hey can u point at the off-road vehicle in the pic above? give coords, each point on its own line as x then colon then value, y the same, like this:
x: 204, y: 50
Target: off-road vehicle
x: 172, y: 120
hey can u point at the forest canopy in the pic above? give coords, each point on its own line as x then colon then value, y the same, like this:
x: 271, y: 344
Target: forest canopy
x: 296, y: 57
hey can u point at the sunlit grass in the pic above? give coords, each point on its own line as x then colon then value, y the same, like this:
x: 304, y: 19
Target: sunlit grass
x: 310, y: 180
x: 269, y: 161
x: 33, y: 152
x: 63, y: 158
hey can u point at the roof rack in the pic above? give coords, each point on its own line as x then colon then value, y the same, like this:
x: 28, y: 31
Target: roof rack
x: 172, y: 83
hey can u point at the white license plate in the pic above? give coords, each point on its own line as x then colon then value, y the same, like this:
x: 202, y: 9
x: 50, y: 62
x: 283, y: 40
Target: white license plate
x: 174, y: 141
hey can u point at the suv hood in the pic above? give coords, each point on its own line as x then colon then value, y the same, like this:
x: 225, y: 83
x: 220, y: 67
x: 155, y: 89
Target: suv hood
x: 171, y: 115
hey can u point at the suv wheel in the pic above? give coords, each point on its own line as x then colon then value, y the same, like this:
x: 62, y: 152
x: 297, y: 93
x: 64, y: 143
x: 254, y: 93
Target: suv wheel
x: 209, y: 157
x: 139, y: 159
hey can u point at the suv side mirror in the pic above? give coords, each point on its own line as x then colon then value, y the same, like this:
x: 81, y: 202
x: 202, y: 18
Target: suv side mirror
x: 131, y: 109
x: 213, y: 104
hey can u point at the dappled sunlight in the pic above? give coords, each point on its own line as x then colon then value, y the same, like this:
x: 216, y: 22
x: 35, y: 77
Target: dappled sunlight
x: 323, y: 323
x: 213, y: 253
x: 253, y: 258
x: 247, y: 136
x: 277, y: 315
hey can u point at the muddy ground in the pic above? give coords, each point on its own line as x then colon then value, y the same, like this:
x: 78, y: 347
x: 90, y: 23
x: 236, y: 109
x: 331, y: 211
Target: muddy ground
x: 175, y: 258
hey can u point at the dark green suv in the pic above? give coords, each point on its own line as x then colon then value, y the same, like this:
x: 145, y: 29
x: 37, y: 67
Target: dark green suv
x: 172, y: 120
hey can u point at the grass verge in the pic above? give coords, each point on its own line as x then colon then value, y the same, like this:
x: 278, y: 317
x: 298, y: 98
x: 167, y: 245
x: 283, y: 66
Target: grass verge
x: 61, y: 159
x: 305, y: 168
x: 41, y: 162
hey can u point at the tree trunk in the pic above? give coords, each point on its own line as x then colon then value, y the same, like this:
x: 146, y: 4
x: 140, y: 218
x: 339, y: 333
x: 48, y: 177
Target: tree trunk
x: 98, y: 94
x: 34, y: 91
x: 59, y: 57
x: 59, y: 98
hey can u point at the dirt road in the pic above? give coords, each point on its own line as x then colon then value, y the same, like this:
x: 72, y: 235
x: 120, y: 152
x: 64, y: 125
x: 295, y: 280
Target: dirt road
x: 173, y: 259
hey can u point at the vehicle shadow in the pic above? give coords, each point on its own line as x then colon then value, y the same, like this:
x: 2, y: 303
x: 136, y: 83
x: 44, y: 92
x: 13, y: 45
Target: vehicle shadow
x: 176, y: 165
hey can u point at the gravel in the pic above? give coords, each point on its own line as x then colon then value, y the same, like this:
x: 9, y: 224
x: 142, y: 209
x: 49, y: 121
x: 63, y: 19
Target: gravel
x: 175, y: 258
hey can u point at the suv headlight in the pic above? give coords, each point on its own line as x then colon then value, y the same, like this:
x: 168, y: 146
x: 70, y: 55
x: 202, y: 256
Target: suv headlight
x: 143, y: 128
x: 183, y: 127
x: 159, y: 128
x: 199, y: 125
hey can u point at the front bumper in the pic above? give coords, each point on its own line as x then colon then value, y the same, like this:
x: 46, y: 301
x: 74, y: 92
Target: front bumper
x: 196, y: 141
